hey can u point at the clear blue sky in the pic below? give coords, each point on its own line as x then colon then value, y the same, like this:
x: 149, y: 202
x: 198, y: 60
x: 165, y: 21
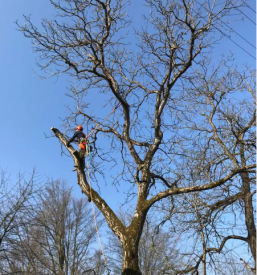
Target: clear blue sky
x: 29, y: 107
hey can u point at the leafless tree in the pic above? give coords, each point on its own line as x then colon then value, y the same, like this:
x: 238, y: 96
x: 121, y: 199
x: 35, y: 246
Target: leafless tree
x: 87, y: 41
x: 58, y: 237
x: 221, y: 121
x: 229, y: 117
x: 15, y: 202
x: 208, y: 240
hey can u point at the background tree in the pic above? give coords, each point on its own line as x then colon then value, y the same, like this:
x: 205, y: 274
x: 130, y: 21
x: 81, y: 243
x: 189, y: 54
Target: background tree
x: 86, y: 42
x: 15, y: 202
x: 58, y: 235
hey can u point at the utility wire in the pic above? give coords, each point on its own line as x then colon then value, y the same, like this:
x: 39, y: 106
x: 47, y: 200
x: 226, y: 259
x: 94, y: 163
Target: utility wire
x: 250, y: 8
x: 230, y: 28
x: 234, y: 42
x: 246, y: 16
x: 228, y: 35
x: 238, y: 34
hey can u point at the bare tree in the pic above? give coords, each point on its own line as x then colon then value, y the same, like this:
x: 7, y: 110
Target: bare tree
x: 59, y: 236
x: 227, y: 104
x: 221, y: 121
x: 145, y: 79
x: 15, y: 202
x: 208, y: 240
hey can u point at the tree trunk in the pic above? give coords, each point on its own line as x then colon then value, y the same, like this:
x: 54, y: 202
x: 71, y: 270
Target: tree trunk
x: 130, y: 242
x: 130, y: 257
x: 249, y: 215
x: 249, y: 212
x: 204, y: 252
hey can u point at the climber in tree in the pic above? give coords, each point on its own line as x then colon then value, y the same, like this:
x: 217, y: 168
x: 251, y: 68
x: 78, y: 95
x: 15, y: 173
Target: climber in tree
x: 81, y: 138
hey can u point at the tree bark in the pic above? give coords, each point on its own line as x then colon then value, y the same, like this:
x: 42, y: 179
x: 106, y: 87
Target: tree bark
x: 248, y: 203
x: 130, y: 257
x: 132, y: 234
x: 249, y: 216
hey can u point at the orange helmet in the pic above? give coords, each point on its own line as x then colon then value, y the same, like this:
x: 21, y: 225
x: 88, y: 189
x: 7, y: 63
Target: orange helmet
x: 79, y: 128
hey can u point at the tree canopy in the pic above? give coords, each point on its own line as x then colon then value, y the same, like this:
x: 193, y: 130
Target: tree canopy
x: 185, y: 123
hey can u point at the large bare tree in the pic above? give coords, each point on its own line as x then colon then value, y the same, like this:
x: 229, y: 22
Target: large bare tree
x: 221, y: 121
x: 225, y: 98
x: 88, y: 40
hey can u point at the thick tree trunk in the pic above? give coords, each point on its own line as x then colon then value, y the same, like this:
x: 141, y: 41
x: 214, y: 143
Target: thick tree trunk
x: 130, y: 242
x: 130, y: 257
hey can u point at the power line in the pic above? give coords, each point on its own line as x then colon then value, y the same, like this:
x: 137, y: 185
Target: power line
x: 234, y: 42
x: 242, y: 37
x: 229, y: 36
x: 246, y: 16
x: 231, y: 28
x: 238, y: 34
x: 250, y: 8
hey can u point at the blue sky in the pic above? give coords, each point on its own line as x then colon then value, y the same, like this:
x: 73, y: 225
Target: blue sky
x: 29, y: 106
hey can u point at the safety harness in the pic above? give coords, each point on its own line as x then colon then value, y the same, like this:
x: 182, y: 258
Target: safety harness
x: 84, y: 145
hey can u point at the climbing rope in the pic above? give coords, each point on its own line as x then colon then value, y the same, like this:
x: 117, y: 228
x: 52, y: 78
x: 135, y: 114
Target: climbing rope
x: 93, y: 209
x: 88, y: 155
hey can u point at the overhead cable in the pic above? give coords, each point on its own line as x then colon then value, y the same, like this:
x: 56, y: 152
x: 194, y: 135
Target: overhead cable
x: 229, y: 36
x: 234, y: 42
x: 230, y: 28
x: 246, y: 16
x: 250, y: 8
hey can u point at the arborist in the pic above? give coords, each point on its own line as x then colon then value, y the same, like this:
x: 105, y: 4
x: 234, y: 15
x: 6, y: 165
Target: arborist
x: 81, y: 139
